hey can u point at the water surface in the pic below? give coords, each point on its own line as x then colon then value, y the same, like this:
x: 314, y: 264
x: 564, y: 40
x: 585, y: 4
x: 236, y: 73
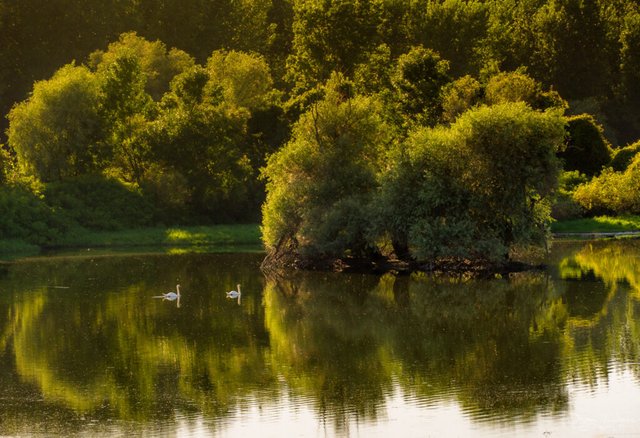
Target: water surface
x: 86, y: 350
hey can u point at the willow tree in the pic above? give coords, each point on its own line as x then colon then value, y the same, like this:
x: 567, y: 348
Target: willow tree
x: 320, y: 183
x: 474, y: 189
x: 56, y: 132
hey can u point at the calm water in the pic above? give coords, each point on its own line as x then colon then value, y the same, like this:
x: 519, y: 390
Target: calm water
x: 85, y: 349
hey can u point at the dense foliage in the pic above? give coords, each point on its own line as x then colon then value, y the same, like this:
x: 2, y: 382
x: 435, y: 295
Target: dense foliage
x: 178, y: 106
x: 587, y: 150
x: 474, y: 189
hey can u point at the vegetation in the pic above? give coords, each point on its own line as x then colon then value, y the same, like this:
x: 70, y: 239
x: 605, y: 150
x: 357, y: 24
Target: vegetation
x: 430, y: 129
x: 598, y: 224
x: 192, y: 237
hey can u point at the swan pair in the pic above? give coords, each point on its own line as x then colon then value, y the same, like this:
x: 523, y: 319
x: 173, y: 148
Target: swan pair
x: 172, y: 296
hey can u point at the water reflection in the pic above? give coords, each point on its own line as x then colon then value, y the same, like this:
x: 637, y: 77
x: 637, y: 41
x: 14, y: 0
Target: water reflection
x: 84, y: 348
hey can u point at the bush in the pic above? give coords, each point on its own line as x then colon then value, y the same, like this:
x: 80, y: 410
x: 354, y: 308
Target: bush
x: 565, y: 207
x: 25, y: 216
x: 623, y: 157
x: 587, y: 150
x: 319, y: 184
x: 612, y: 192
x: 98, y: 203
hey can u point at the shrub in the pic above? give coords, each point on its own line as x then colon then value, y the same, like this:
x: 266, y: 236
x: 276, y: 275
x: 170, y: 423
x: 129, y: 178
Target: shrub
x: 319, y: 184
x: 612, y: 192
x: 623, y: 156
x: 25, y: 216
x: 587, y: 150
x: 565, y: 207
x: 98, y: 203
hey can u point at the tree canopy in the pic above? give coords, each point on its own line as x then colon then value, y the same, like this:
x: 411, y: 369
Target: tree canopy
x: 371, y: 121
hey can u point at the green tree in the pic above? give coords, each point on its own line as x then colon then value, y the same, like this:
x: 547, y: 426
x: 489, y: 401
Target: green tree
x: 456, y: 29
x: 196, y: 140
x: 332, y: 35
x: 459, y: 96
x: 517, y: 86
x: 245, y: 78
x: 418, y: 80
x: 56, y: 132
x: 126, y: 109
x: 158, y: 64
x: 587, y: 150
x: 320, y: 183
x: 474, y: 189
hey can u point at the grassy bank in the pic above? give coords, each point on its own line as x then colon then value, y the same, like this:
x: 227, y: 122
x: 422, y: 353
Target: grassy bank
x: 211, y: 236
x: 599, y: 224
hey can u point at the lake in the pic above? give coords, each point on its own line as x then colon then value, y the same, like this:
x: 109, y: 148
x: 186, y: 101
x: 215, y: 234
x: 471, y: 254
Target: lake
x: 86, y: 350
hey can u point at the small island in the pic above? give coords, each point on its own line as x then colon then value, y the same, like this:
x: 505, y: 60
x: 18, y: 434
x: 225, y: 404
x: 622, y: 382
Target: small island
x: 345, y: 194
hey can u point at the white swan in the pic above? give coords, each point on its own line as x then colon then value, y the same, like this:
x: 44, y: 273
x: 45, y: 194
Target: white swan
x: 234, y: 293
x: 171, y: 296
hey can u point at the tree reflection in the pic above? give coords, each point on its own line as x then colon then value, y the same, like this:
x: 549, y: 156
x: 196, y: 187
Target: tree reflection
x: 344, y: 344
x: 468, y: 341
x: 111, y: 343
x: 602, y: 292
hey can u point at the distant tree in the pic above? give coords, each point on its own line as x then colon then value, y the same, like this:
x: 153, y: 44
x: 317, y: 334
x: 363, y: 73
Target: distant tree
x: 126, y: 109
x: 245, y: 79
x: 158, y: 64
x: 587, y: 150
x: 456, y: 29
x: 518, y: 86
x: 320, y: 183
x: 56, y: 133
x: 630, y: 56
x: 418, y: 80
x: 459, y: 96
x: 333, y: 35
x: 245, y: 82
x: 373, y: 75
x: 196, y: 140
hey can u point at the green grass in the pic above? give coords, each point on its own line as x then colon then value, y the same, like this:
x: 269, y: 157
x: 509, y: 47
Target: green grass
x: 11, y: 248
x: 599, y: 224
x: 175, y: 236
x: 204, y: 237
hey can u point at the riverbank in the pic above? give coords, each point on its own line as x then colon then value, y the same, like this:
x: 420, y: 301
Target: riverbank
x: 599, y: 226
x: 249, y: 235
x: 192, y: 236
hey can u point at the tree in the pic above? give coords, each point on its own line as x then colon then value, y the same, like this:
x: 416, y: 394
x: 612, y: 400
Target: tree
x: 418, y: 79
x: 126, y: 109
x: 244, y: 78
x: 587, y: 150
x: 158, y: 64
x: 56, y: 132
x: 474, y: 189
x: 459, y: 96
x: 195, y: 141
x: 333, y: 35
x: 319, y: 184
x: 456, y: 29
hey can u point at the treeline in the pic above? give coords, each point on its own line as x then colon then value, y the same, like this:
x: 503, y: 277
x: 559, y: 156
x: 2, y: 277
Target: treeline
x: 396, y: 103
x: 586, y: 50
